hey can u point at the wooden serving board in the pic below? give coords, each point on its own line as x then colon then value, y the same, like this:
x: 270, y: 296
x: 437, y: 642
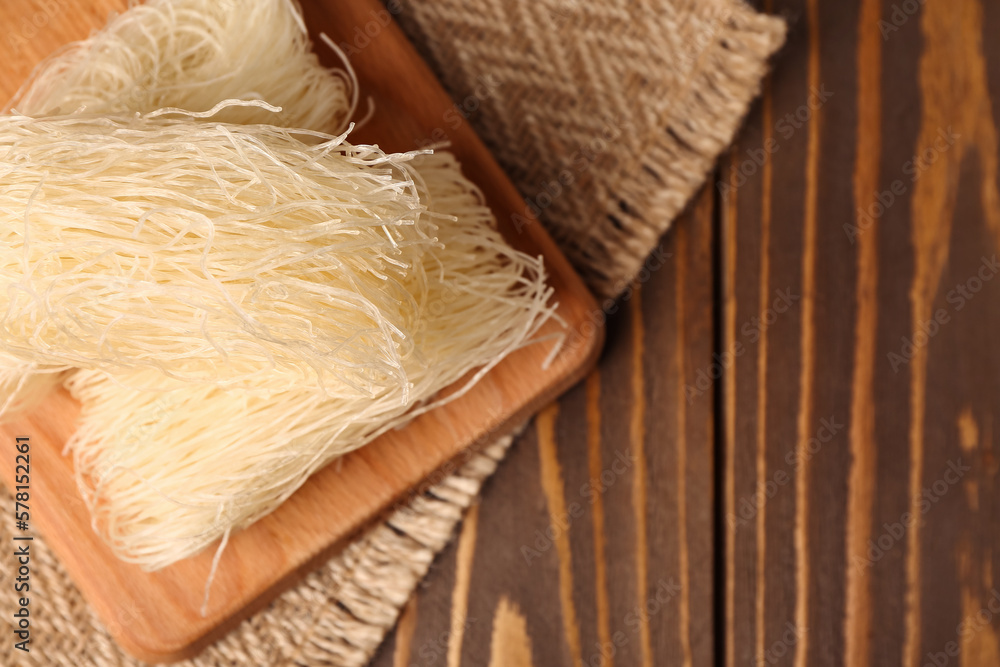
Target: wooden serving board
x: 164, y: 623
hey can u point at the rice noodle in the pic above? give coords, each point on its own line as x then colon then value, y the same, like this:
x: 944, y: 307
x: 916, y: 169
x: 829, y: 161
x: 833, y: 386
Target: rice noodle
x: 246, y: 306
x: 191, y: 54
x: 246, y: 301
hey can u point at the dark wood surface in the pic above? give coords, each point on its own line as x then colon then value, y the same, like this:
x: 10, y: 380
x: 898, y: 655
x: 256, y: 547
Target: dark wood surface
x: 772, y: 511
x: 260, y: 562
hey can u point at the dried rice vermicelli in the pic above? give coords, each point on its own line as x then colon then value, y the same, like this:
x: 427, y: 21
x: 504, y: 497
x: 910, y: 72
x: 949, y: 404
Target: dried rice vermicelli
x: 288, y: 300
x: 246, y: 302
x: 192, y: 54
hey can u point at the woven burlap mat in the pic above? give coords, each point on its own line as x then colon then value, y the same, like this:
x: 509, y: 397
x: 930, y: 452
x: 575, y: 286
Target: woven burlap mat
x: 607, y: 114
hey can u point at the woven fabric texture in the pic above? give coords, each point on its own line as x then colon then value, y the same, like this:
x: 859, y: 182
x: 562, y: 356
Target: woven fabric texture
x: 608, y: 115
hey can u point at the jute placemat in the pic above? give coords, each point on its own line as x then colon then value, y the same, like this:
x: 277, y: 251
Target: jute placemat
x: 607, y: 114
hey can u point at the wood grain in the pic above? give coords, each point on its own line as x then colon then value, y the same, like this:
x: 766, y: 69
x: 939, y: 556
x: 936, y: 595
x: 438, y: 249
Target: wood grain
x: 567, y: 504
x: 861, y: 481
x: 856, y: 605
x: 825, y: 444
x: 337, y: 502
x: 783, y: 561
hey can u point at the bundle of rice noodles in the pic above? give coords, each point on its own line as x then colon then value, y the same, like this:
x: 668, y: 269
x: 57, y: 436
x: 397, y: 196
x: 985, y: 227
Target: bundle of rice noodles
x: 243, y: 296
x: 310, y: 293
x: 212, y: 252
x: 190, y: 55
x: 168, y: 470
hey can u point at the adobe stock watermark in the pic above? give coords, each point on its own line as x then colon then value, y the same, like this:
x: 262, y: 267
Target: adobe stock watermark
x: 786, y: 126
x: 578, y: 164
x: 459, y: 112
x: 589, y: 491
x: 748, y: 506
x: 780, y: 648
x: 142, y: 431
x: 900, y: 14
x: 364, y: 34
x: 19, y: 34
x: 970, y: 626
x: 957, y: 298
x: 751, y: 331
x: 913, y: 169
x: 562, y: 14
x: 124, y: 616
x: 604, y: 653
x: 717, y: 17
x: 435, y: 648
x: 402, y: 510
x: 599, y: 316
x: 892, y: 533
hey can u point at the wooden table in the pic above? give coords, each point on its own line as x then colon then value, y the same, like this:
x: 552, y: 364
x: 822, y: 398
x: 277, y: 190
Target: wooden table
x: 819, y: 489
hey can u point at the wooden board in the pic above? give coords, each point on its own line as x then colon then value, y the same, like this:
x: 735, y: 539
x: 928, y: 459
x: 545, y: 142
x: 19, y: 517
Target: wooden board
x: 163, y: 622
